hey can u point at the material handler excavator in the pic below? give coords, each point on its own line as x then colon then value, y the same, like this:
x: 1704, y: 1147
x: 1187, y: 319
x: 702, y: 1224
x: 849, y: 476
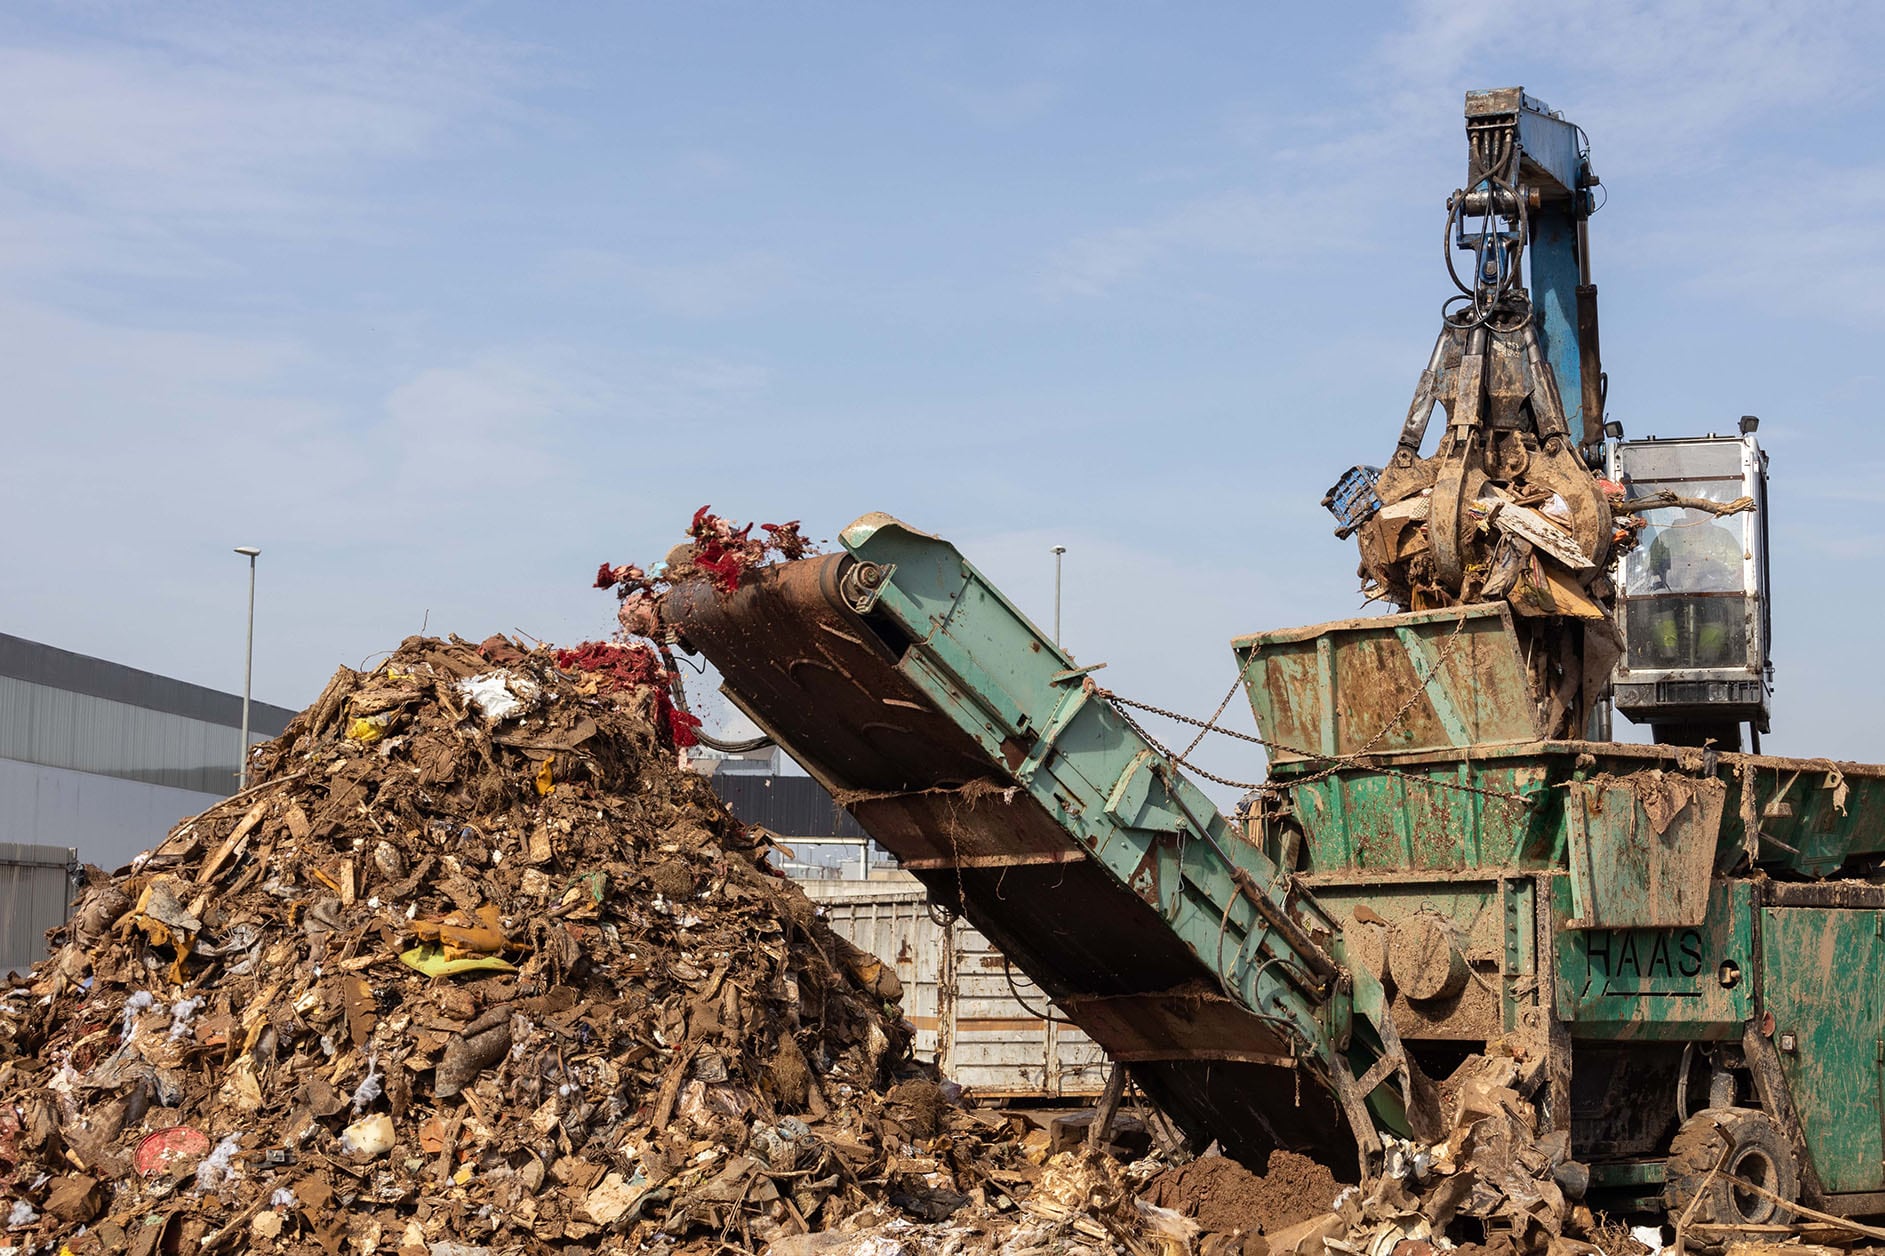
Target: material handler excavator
x: 1682, y: 941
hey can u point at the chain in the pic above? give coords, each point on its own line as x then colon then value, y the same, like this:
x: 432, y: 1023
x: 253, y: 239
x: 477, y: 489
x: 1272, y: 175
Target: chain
x: 1420, y: 690
x: 1335, y: 763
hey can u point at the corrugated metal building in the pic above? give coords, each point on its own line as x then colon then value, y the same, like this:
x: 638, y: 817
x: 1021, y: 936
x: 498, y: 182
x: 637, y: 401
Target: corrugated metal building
x: 100, y: 759
x: 823, y: 839
x: 37, y: 886
x: 791, y: 806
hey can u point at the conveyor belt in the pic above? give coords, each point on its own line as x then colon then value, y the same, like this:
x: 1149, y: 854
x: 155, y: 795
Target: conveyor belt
x: 968, y: 745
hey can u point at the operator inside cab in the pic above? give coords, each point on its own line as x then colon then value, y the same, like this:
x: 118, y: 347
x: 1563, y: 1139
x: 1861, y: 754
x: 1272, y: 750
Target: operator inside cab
x: 1699, y: 557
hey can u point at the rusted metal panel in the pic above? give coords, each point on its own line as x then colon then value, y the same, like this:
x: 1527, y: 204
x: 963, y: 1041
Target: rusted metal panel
x: 1439, y: 947
x: 1823, y: 894
x: 1824, y: 983
x: 1507, y: 806
x: 1393, y: 683
x: 1438, y: 813
x: 995, y: 861
x: 1694, y: 982
x: 1641, y: 849
x: 1193, y: 1024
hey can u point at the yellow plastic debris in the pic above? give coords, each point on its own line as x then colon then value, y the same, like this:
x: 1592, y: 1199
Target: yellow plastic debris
x: 369, y: 728
x: 433, y: 961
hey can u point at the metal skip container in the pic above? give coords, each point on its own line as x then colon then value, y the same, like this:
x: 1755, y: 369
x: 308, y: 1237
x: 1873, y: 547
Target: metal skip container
x: 986, y: 1026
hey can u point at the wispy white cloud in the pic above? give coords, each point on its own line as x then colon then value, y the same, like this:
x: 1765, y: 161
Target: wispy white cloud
x: 712, y: 288
x: 228, y: 420
x: 1663, y: 85
x: 195, y: 127
x: 1658, y: 81
x: 1803, y: 243
x: 512, y: 423
x: 136, y: 456
x: 1244, y: 224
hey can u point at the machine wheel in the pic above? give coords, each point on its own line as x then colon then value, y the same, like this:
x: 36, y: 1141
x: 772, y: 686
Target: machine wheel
x: 1755, y: 1152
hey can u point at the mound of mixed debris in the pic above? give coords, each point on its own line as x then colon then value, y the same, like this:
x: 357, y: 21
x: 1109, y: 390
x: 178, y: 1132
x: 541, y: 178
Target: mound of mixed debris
x: 475, y: 965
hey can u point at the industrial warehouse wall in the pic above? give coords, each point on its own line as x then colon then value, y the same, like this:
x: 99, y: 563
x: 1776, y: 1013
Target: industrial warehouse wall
x: 91, y: 819
x: 103, y: 759
x: 36, y: 885
x: 998, y: 1039
x: 62, y: 729
x: 106, y: 819
x: 791, y: 806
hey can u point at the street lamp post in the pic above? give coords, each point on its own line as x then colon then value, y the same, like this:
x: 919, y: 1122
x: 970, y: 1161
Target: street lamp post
x: 1058, y: 551
x: 248, y: 673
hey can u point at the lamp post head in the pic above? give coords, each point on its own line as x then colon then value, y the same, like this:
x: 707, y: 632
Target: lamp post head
x: 1060, y: 549
x: 250, y: 550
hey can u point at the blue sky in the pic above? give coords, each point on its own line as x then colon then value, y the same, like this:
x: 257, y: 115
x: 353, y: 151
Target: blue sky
x: 442, y: 306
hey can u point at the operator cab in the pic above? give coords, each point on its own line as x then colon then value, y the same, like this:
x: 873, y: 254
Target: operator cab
x: 1693, y: 594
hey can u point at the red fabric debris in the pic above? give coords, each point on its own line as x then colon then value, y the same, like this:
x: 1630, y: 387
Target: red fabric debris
x: 618, y: 666
x: 721, y: 554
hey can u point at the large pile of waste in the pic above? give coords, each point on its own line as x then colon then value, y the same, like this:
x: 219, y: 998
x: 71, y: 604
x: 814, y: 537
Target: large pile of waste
x: 475, y: 964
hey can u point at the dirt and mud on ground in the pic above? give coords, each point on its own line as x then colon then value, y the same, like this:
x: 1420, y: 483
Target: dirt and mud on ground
x: 1224, y: 1197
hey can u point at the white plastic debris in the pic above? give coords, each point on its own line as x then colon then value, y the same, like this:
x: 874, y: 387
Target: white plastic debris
x: 135, y: 1006
x: 22, y: 1213
x: 1649, y: 1236
x: 368, y: 1137
x: 220, y: 1165
x: 370, y: 1087
x: 182, y: 1012
x: 499, y: 695
x: 283, y: 1198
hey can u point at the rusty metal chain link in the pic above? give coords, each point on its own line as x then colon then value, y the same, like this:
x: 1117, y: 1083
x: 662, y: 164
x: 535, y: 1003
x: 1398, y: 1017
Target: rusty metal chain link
x: 1334, y: 763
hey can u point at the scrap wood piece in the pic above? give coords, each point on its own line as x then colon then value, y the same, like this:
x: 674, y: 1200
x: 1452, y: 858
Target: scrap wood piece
x: 233, y: 844
x: 1538, y: 529
x: 670, y: 1091
x: 467, y: 933
x: 1667, y: 498
x: 184, y: 833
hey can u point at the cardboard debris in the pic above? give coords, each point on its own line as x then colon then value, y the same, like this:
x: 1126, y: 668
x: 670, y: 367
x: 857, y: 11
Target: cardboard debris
x: 399, y: 996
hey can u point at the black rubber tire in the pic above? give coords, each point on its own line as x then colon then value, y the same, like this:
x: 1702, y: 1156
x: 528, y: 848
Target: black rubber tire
x: 1756, y: 1152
